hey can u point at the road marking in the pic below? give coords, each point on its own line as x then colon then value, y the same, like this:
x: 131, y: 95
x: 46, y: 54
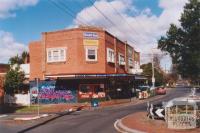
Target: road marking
x: 118, y: 124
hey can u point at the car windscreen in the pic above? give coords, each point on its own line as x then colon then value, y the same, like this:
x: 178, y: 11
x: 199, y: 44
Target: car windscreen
x: 143, y: 88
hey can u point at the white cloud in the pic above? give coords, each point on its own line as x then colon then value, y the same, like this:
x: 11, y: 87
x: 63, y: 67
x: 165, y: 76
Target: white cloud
x: 145, y: 28
x: 8, y: 6
x: 9, y: 47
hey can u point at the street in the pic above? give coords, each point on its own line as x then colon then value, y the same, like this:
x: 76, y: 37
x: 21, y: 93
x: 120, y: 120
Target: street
x: 98, y: 121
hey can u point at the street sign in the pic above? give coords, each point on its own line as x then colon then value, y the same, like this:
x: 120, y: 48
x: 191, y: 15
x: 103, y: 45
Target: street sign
x: 160, y: 113
x: 155, y: 112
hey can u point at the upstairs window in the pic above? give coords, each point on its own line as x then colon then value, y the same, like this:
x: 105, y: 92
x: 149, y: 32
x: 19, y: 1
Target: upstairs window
x: 130, y: 62
x: 56, y: 55
x: 110, y: 55
x: 121, y: 59
x: 91, y: 53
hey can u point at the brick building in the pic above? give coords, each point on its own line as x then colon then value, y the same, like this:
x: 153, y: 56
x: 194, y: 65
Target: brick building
x: 86, y: 59
x: 3, y: 69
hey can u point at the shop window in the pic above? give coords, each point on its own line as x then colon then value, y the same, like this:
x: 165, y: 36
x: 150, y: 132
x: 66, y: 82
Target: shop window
x: 91, y: 90
x: 85, y: 89
x: 97, y: 89
x: 121, y: 59
x: 56, y: 54
x: 110, y: 55
x: 91, y: 54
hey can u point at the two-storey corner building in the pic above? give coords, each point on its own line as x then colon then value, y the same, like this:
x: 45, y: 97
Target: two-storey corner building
x: 86, y: 61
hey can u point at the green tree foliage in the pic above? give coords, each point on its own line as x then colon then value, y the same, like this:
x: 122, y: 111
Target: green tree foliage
x: 147, y: 71
x: 15, y: 77
x: 22, y: 59
x: 13, y: 80
x: 183, y: 42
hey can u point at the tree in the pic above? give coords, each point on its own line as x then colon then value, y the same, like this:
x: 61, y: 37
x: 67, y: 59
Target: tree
x: 182, y: 42
x: 147, y: 70
x: 15, y: 60
x: 22, y: 59
x: 13, y: 80
x: 25, y: 57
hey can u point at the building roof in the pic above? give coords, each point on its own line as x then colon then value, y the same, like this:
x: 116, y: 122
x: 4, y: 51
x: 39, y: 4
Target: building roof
x: 92, y: 28
x: 4, y: 68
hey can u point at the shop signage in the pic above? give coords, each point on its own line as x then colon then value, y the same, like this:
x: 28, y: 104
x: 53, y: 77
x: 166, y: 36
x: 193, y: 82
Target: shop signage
x: 101, y: 94
x: 90, y: 35
x: 85, y: 94
x: 101, y: 75
x: 89, y: 42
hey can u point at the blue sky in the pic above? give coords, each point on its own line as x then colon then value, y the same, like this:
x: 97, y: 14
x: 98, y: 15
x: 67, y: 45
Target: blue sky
x: 31, y: 21
x: 22, y: 21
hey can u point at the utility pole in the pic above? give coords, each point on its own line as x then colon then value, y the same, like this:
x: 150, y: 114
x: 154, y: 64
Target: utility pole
x: 38, y: 107
x: 153, y: 75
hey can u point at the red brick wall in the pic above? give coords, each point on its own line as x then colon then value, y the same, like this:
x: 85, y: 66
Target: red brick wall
x: 76, y: 62
x: 75, y: 55
x: 120, y: 49
x: 109, y: 43
x: 35, y: 51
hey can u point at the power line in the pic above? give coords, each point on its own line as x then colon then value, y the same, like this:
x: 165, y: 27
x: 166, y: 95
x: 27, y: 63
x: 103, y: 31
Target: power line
x: 71, y: 13
x: 70, y: 10
x: 66, y: 11
x: 123, y: 18
x: 107, y: 18
x: 88, y: 13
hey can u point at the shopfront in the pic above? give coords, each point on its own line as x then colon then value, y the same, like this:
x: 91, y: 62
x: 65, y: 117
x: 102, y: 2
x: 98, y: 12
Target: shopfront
x: 82, y: 88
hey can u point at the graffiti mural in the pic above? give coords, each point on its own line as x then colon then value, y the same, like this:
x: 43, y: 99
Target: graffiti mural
x: 49, y: 93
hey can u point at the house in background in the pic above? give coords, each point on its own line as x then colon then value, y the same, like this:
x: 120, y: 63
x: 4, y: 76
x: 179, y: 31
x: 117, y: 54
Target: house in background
x: 3, y: 70
x: 80, y: 63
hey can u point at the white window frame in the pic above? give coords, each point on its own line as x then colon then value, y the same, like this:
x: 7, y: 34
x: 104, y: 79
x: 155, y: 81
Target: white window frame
x: 121, y: 62
x: 86, y: 53
x: 52, y: 50
x: 111, y: 58
x: 130, y: 62
x: 136, y: 65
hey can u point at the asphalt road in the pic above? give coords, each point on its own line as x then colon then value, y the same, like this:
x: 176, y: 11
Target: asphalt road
x: 97, y: 121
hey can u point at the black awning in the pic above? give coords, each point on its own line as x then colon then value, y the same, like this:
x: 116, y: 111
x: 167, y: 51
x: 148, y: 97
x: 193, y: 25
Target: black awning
x: 102, y: 75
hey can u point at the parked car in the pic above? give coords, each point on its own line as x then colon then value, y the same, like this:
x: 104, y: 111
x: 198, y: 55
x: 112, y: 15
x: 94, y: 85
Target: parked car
x: 161, y: 90
x: 143, y: 92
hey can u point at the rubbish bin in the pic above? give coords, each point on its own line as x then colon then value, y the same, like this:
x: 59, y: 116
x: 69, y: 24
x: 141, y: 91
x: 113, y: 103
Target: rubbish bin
x: 95, y: 102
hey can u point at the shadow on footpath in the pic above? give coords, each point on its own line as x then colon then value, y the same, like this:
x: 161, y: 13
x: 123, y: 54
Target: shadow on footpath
x: 6, y: 108
x: 45, y: 122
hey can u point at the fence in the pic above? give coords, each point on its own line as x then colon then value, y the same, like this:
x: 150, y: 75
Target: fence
x: 20, y: 99
x: 182, y: 121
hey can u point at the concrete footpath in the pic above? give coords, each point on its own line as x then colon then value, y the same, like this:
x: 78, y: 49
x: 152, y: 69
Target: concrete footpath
x: 140, y: 123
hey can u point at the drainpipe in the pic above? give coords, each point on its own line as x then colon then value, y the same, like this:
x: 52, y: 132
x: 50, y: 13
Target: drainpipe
x: 115, y: 50
x: 125, y: 56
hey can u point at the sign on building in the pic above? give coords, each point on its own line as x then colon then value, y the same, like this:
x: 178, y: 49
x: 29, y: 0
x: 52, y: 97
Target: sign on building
x: 90, y: 35
x: 90, y: 39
